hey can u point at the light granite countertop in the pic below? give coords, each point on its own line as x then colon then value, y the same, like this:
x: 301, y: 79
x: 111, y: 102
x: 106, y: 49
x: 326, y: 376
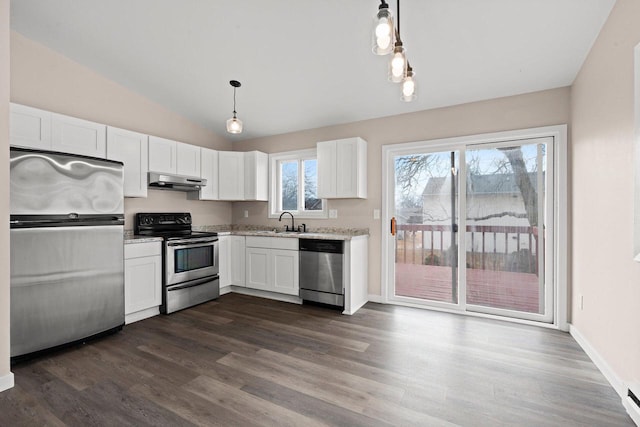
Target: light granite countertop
x: 129, y: 238
x: 263, y: 231
x: 266, y: 231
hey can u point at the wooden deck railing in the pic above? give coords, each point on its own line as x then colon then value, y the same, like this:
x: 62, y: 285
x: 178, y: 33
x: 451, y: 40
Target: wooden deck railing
x: 491, y: 247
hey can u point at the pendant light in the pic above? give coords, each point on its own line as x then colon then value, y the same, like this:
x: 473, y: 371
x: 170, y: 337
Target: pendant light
x: 384, y: 37
x: 409, y: 86
x: 234, y: 124
x: 383, y: 30
x: 398, y: 63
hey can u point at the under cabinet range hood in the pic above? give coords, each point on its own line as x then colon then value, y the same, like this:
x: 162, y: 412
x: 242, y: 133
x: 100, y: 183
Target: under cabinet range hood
x: 175, y: 182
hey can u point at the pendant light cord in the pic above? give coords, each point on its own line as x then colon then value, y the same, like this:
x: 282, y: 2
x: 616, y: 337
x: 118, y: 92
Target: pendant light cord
x: 234, y: 102
x: 398, y: 7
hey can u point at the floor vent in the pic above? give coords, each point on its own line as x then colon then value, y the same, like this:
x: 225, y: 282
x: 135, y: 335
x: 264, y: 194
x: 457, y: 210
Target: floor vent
x: 632, y: 404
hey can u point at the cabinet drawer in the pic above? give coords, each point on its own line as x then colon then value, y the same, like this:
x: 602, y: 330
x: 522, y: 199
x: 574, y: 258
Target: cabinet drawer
x: 289, y: 243
x: 137, y: 250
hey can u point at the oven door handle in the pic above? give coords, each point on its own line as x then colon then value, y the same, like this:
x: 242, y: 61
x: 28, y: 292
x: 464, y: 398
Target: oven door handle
x: 191, y: 283
x: 192, y: 242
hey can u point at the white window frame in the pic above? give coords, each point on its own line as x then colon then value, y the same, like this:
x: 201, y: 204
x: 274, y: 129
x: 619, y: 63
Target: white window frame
x: 274, y: 184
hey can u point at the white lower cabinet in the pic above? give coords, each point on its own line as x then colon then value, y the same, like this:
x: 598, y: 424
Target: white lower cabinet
x: 232, y: 252
x: 142, y: 280
x: 272, y: 264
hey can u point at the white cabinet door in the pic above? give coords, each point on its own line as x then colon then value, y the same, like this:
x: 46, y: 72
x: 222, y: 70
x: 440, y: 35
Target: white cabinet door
x: 77, y: 136
x: 230, y: 175
x: 258, y: 269
x: 187, y: 160
x: 209, y: 171
x: 30, y: 127
x: 142, y: 280
x: 256, y: 176
x: 224, y: 260
x: 284, y: 272
x: 162, y: 155
x: 237, y: 250
x: 143, y: 283
x: 130, y: 148
x: 342, y: 169
x: 326, y: 169
x: 346, y: 169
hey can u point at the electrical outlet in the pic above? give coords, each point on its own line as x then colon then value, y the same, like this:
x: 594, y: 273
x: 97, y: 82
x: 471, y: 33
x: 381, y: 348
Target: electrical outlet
x: 246, y: 213
x: 376, y: 214
x: 333, y: 213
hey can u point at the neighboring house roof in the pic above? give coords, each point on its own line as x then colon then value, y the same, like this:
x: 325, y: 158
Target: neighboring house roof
x: 480, y: 184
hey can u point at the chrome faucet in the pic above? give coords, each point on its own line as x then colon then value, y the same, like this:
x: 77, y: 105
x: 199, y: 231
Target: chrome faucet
x: 286, y: 226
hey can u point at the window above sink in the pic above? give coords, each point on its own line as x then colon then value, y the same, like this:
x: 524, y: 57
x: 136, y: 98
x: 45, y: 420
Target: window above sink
x: 293, y: 185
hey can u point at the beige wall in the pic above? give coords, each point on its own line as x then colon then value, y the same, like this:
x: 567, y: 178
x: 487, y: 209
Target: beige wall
x: 45, y: 79
x: 603, y: 272
x: 517, y: 112
x: 4, y: 187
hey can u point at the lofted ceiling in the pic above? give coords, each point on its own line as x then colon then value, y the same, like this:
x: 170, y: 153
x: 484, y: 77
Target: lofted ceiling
x: 306, y: 64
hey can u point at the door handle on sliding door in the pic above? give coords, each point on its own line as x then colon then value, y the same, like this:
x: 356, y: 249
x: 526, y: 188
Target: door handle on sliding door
x: 393, y: 226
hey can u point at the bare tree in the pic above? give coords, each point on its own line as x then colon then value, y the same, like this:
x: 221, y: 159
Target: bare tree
x: 411, y: 169
x: 523, y: 181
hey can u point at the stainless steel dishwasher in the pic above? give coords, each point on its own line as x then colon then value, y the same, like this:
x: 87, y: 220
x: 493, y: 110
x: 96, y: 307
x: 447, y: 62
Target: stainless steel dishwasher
x: 321, y: 271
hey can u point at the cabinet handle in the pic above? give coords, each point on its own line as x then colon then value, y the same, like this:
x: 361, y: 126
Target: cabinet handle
x: 393, y: 226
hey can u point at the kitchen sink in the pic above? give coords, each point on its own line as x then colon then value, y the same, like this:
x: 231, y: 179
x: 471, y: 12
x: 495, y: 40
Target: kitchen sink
x: 271, y: 232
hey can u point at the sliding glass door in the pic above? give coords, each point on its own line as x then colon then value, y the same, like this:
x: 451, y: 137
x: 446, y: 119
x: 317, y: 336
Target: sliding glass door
x: 470, y: 228
x: 426, y: 215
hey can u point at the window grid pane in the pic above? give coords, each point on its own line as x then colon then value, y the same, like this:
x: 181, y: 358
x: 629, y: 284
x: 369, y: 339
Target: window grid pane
x: 289, y: 185
x: 310, y: 185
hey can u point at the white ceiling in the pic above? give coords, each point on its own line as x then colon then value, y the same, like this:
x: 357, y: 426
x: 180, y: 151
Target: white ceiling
x: 305, y: 64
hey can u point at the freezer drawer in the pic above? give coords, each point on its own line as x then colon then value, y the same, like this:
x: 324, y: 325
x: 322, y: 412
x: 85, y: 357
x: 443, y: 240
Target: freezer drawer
x: 67, y: 283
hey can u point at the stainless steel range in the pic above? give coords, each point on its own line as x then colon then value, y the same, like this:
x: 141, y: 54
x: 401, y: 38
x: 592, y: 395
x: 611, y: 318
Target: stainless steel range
x: 190, y: 259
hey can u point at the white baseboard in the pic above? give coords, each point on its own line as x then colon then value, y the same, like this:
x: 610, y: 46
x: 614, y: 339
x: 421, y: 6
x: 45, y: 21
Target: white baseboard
x: 141, y: 315
x: 6, y: 382
x: 265, y: 294
x: 375, y: 298
x: 225, y: 290
x: 632, y: 407
x: 619, y: 386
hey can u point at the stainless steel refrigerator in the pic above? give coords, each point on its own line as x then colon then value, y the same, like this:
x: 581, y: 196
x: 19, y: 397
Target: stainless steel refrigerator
x: 67, y: 263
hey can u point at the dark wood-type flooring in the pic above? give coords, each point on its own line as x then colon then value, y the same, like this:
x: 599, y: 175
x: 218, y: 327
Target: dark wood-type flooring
x: 245, y: 361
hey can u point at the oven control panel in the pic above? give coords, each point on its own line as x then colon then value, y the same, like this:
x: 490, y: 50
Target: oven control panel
x: 163, y: 218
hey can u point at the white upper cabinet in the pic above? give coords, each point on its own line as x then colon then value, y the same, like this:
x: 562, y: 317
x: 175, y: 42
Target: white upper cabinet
x: 209, y: 171
x: 187, y: 159
x: 77, y: 136
x: 30, y: 127
x: 342, y: 169
x: 131, y: 149
x: 173, y: 157
x: 162, y: 155
x: 230, y: 175
x: 256, y: 176
x: 43, y: 130
x: 243, y: 176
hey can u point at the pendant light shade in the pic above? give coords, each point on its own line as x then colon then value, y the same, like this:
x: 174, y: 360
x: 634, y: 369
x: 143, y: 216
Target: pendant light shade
x: 383, y: 30
x: 398, y: 64
x: 234, y: 124
x: 409, y: 92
